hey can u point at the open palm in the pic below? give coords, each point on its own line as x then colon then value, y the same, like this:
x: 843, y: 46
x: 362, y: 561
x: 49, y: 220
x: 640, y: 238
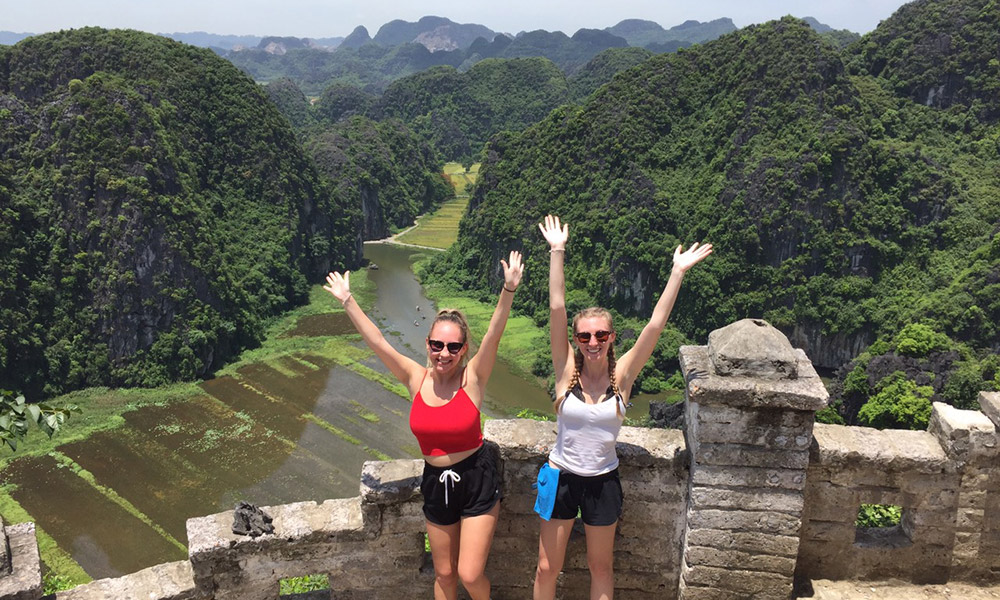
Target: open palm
x: 555, y: 233
x: 685, y: 259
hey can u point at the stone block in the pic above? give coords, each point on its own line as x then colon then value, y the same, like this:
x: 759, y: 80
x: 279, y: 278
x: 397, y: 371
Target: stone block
x: 522, y: 439
x: 752, y: 348
x: 744, y: 541
x: 169, y: 581
x: 734, y: 559
x: 25, y: 579
x: 390, y: 481
x: 646, y: 447
x: 746, y: 499
x: 774, y: 523
x: 754, y: 477
x: 834, y: 532
x: 886, y: 452
x: 966, y: 435
x: 657, y: 485
x: 705, y: 386
x: 760, y: 435
x: 689, y: 592
x: 751, y: 583
x: 405, y: 517
x: 796, y: 420
x: 750, y: 456
x: 989, y: 403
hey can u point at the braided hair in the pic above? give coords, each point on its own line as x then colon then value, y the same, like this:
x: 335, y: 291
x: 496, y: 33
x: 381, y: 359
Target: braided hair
x: 586, y: 313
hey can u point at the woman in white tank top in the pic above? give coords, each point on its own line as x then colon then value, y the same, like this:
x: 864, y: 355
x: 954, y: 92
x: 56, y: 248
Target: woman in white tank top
x: 592, y: 391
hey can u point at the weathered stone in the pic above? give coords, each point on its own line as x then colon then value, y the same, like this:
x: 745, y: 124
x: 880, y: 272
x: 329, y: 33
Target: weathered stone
x: 384, y: 482
x: 750, y: 456
x: 751, y: 583
x: 755, y: 477
x: 763, y: 436
x: 739, y: 417
x: 169, y: 581
x: 5, y: 566
x: 714, y: 557
x: 522, y: 439
x: 25, y: 579
x: 989, y: 403
x: 805, y: 393
x: 786, y: 501
x: 745, y: 541
x: 966, y: 435
x: 752, y: 348
x: 774, y: 523
x: 885, y: 451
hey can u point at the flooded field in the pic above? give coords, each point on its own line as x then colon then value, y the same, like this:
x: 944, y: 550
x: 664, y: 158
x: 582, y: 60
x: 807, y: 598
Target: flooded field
x: 282, y: 430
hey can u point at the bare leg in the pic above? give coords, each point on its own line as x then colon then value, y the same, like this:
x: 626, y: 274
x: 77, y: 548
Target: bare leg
x: 600, y: 560
x: 444, y: 540
x: 552, y: 544
x: 477, y: 537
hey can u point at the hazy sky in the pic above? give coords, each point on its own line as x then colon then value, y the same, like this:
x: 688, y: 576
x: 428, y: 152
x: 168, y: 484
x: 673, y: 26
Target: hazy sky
x: 330, y: 18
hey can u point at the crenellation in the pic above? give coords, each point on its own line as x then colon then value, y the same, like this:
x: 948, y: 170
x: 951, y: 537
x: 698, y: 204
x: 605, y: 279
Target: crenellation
x: 751, y: 495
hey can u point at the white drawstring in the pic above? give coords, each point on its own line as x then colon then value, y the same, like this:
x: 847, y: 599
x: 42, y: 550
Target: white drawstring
x: 448, y: 474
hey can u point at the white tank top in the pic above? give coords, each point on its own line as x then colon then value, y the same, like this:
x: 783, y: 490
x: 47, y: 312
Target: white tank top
x: 586, y: 435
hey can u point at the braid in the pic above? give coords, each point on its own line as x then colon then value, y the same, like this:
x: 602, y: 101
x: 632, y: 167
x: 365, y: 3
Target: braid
x: 577, y: 368
x: 611, y: 369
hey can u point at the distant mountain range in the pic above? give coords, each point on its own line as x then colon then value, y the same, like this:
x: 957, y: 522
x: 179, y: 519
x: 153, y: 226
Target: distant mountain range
x: 439, y: 33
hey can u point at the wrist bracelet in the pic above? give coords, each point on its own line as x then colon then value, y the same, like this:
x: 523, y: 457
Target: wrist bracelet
x: 349, y: 296
x: 510, y: 290
x: 557, y: 250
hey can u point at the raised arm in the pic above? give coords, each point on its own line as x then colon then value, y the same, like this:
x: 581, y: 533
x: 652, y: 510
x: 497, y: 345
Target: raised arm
x: 557, y: 234
x: 631, y: 362
x: 482, y: 363
x: 405, y: 369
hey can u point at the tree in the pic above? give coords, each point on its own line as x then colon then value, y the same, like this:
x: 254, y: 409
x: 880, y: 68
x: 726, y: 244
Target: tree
x: 15, y: 413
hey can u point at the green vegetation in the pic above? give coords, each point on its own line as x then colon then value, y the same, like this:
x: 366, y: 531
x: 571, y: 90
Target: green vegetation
x: 156, y: 211
x: 306, y: 583
x: 383, y: 169
x: 15, y: 413
x: 879, y: 515
x: 841, y: 207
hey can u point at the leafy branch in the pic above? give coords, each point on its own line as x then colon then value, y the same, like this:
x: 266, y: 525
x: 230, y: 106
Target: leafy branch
x: 15, y: 413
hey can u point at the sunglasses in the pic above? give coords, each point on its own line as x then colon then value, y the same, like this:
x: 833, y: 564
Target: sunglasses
x: 584, y: 336
x: 438, y: 345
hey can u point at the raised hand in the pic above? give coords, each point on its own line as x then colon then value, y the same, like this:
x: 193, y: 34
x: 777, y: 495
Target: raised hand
x: 685, y: 259
x: 512, y: 271
x: 339, y: 285
x: 555, y: 233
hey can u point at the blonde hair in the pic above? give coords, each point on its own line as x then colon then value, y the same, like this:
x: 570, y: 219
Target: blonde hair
x: 452, y: 315
x: 593, y: 311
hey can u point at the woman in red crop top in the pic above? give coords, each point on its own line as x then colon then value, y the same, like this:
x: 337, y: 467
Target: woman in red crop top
x: 461, y: 482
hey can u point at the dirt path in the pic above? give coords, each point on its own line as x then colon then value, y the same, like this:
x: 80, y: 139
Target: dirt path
x: 894, y: 590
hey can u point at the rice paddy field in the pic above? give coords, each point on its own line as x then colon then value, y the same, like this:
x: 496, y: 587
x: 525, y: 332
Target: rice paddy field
x: 440, y: 229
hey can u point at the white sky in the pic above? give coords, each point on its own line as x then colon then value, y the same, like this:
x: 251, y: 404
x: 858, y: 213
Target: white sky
x: 331, y: 18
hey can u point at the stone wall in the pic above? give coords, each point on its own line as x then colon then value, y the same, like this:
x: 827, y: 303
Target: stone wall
x: 748, y: 498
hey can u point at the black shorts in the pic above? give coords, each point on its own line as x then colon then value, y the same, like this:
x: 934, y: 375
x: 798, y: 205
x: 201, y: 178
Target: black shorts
x: 468, y: 488
x: 598, y: 499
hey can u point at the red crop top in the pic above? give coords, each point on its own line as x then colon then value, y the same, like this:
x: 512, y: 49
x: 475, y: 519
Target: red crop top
x: 452, y: 427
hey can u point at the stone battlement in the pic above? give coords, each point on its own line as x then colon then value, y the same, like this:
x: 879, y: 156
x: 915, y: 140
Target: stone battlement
x: 749, y: 498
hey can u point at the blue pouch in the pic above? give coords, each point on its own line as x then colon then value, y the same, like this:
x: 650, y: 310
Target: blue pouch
x: 546, y: 485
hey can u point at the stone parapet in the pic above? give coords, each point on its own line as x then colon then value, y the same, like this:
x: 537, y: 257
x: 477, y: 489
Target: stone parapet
x: 170, y: 581
x: 5, y: 565
x: 24, y: 582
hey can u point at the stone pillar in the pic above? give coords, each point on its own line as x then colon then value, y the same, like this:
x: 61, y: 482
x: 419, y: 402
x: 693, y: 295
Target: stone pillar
x: 751, y: 403
x: 20, y: 565
x: 969, y: 438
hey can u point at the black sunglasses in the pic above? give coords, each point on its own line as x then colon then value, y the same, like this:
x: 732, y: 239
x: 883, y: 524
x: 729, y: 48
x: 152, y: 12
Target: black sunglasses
x: 584, y: 336
x: 438, y: 345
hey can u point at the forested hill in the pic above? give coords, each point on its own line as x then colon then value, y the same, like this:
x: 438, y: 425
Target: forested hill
x: 155, y: 209
x: 841, y: 210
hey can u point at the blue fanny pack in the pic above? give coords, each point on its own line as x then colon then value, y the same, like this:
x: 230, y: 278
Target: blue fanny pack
x: 546, y: 485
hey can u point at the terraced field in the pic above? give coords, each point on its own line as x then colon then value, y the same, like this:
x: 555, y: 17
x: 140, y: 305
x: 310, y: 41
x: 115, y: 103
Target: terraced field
x: 440, y: 228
